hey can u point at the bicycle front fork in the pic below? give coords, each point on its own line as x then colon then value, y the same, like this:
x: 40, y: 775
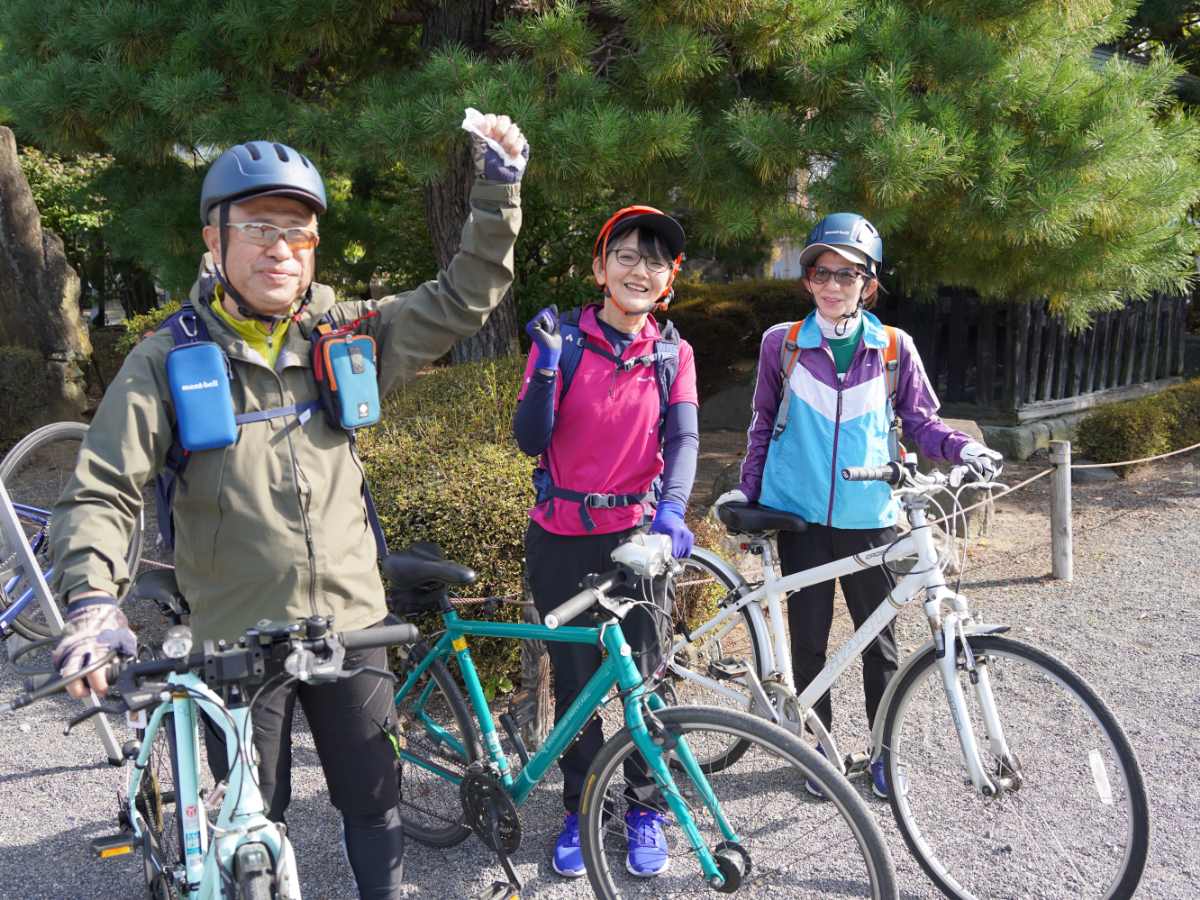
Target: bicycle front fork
x: 948, y: 641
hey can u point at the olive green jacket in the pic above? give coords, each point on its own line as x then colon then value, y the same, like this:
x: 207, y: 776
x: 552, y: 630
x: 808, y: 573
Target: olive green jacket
x: 241, y: 548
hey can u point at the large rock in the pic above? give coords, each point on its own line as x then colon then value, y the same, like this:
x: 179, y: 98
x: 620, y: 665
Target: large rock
x: 729, y: 408
x: 39, y: 292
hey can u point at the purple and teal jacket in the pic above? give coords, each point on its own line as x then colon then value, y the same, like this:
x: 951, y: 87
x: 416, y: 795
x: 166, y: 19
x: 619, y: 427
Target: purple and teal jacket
x: 833, y: 425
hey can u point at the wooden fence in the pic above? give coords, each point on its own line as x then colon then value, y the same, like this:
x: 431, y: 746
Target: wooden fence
x: 1024, y: 361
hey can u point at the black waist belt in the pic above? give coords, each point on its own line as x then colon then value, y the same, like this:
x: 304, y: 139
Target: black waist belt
x: 597, y: 501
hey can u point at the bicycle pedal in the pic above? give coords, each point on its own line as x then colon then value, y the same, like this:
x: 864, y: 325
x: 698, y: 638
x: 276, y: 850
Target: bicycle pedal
x: 512, y: 727
x: 522, y: 708
x: 857, y: 762
x: 500, y: 890
x: 727, y: 669
x: 112, y: 845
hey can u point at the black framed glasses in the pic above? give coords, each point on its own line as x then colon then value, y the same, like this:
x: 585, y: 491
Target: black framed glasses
x: 629, y: 258
x: 263, y: 235
x: 844, y: 277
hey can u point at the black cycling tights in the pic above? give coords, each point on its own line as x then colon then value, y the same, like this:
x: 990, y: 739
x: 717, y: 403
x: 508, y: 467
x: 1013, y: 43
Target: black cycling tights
x: 374, y: 847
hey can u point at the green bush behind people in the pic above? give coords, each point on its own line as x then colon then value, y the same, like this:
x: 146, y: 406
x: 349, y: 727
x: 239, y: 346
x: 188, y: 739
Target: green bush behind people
x: 1136, y: 429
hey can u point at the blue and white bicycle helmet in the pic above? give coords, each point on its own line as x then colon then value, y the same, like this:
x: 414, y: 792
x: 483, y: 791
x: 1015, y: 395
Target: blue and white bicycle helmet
x: 850, y: 236
x: 259, y: 168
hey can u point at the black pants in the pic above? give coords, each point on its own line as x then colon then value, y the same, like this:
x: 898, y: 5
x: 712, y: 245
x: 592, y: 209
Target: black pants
x: 556, y: 564
x: 810, y: 610
x: 347, y: 719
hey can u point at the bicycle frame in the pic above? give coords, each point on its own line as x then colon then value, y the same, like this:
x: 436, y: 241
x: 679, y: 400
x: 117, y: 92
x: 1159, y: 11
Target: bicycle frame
x: 928, y: 578
x: 617, y: 669
x: 17, y: 607
x: 242, y: 818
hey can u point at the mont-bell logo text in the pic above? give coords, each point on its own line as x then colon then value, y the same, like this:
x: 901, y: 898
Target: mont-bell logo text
x: 200, y: 385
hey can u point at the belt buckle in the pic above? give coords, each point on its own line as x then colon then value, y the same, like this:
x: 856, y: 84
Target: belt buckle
x: 601, y: 501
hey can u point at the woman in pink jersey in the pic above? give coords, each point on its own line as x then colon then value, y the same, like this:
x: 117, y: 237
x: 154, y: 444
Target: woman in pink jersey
x: 618, y: 447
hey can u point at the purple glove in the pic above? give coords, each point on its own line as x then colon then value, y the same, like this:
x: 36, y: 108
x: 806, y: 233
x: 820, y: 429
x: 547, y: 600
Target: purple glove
x: 491, y: 165
x: 94, y: 627
x: 544, y: 330
x: 668, y: 520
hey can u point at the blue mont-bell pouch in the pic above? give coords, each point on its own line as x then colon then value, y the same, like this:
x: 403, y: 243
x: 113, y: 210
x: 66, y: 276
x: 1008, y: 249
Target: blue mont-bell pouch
x: 345, y: 371
x: 199, y: 377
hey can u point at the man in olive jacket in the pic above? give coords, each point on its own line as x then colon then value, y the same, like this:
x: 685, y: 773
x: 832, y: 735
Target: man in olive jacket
x: 275, y: 526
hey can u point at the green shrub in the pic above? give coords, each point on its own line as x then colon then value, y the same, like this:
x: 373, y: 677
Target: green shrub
x: 444, y: 468
x: 1144, y: 427
x: 23, y: 392
x: 724, y: 322
x: 137, y: 327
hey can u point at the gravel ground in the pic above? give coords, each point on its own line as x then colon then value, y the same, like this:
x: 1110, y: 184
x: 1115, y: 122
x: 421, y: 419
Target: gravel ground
x: 1127, y: 624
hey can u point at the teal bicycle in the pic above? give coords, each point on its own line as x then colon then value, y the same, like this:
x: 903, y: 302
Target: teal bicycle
x: 749, y: 828
x: 164, y: 813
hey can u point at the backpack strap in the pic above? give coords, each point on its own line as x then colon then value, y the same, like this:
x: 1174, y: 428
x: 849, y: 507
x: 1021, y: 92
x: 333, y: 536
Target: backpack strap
x: 891, y: 369
x: 666, y: 370
x: 789, y: 352
x: 572, y: 350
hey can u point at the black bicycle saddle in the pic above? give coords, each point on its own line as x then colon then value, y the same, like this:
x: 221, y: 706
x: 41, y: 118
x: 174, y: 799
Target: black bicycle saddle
x: 425, y: 564
x: 160, y: 586
x: 750, y: 518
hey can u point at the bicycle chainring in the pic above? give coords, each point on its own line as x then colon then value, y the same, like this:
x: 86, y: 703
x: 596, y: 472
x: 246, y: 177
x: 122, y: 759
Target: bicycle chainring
x: 485, y: 801
x: 785, y: 704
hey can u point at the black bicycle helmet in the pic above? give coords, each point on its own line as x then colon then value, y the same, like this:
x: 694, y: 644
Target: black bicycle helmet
x: 259, y: 168
x: 843, y: 232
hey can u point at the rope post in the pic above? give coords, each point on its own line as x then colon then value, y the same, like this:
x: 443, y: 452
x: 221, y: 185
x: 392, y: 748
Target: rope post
x: 1062, y: 564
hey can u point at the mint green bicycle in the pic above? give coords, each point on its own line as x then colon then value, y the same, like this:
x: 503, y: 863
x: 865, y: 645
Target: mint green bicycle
x: 749, y: 828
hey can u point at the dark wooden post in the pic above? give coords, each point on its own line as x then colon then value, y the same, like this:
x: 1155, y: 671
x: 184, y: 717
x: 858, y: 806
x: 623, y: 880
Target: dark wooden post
x: 1019, y: 316
x: 1105, y: 350
x: 1155, y: 334
x: 1087, y: 385
x: 985, y: 355
x: 1035, y: 350
x: 1182, y: 336
x: 1066, y: 343
x: 1049, y: 357
x: 956, y: 352
x: 1129, y: 336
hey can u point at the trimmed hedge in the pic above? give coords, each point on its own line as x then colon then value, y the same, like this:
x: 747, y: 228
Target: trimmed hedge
x: 724, y: 322
x: 1135, y: 429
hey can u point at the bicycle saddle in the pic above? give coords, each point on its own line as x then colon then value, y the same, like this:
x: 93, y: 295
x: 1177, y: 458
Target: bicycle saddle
x: 425, y: 564
x: 160, y: 586
x: 750, y: 518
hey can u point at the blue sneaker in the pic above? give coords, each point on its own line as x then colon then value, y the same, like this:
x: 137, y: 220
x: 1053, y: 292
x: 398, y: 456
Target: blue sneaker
x: 879, y: 784
x: 568, y: 858
x: 811, y: 786
x: 647, y: 846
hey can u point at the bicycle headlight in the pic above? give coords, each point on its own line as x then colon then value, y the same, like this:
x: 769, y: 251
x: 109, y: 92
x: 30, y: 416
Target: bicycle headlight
x: 177, y: 643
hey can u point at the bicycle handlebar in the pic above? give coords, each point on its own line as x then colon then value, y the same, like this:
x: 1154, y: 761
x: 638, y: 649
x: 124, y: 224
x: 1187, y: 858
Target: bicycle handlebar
x: 893, y: 473
x: 586, y: 599
x: 387, y: 636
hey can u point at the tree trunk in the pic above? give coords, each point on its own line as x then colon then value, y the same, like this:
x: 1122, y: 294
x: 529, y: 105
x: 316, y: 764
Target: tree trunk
x: 463, y: 22
x: 39, y: 294
x: 138, y: 296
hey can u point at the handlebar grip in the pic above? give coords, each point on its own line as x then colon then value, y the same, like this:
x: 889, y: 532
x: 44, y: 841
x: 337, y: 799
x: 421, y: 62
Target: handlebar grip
x: 386, y: 636
x: 892, y: 473
x: 576, y: 606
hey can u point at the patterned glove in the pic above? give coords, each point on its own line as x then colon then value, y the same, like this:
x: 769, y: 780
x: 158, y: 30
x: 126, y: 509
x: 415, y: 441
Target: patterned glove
x: 493, y: 166
x: 94, y: 627
x: 544, y: 330
x: 985, y: 463
x: 668, y: 520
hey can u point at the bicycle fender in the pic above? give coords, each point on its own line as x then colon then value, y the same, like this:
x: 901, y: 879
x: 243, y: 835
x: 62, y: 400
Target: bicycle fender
x: 913, y: 658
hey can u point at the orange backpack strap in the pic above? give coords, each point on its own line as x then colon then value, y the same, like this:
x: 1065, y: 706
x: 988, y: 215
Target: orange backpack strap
x: 891, y: 365
x: 788, y: 354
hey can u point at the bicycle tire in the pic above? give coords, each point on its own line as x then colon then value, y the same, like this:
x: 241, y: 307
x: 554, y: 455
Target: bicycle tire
x: 743, y: 641
x: 1058, y: 728
x: 801, y: 832
x: 35, y: 472
x: 429, y: 802
x: 156, y: 804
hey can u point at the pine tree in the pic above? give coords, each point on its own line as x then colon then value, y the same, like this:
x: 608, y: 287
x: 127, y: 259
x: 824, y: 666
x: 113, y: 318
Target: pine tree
x: 980, y: 137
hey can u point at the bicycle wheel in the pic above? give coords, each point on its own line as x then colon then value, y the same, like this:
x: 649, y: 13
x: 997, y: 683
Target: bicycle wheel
x: 798, y: 846
x: 1079, y: 824
x: 704, y: 582
x: 34, y: 473
x: 440, y: 741
x: 162, y: 840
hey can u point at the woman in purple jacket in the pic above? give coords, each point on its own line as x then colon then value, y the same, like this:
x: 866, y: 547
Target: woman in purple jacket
x: 838, y: 415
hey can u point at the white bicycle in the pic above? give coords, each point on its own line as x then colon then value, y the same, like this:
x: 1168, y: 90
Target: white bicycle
x: 1021, y: 781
